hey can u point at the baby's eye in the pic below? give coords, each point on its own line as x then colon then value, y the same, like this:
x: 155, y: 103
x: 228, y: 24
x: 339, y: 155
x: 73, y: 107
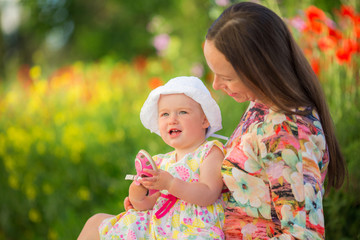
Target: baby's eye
x: 164, y: 114
x: 183, y: 112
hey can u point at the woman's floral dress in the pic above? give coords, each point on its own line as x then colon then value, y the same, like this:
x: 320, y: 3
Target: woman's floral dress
x: 183, y: 220
x: 275, y: 168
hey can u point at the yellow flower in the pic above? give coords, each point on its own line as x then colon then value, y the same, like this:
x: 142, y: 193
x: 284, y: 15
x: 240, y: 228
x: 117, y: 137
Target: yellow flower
x: 40, y: 148
x: 12, y: 97
x: 34, y: 215
x: 104, y: 93
x: 84, y: 193
x: 40, y: 87
x: 13, y: 182
x: 30, y: 192
x: 47, y: 188
x: 19, y: 138
x: 9, y: 163
x: 53, y: 235
x: 59, y: 118
x: 35, y: 72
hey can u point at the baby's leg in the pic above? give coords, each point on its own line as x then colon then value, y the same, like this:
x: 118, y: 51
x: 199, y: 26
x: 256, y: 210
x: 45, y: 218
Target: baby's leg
x: 91, y: 229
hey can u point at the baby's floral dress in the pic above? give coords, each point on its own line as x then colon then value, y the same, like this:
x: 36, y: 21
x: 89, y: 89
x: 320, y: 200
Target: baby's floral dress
x: 275, y: 166
x: 181, y: 221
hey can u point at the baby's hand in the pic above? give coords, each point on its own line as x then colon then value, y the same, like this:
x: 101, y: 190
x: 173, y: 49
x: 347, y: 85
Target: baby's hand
x: 127, y: 204
x: 160, y: 180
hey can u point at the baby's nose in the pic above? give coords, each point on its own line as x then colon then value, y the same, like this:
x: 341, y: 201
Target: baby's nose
x: 173, y: 118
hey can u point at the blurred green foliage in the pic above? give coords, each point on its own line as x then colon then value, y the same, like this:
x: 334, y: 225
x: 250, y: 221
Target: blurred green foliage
x: 73, y: 79
x: 53, y: 33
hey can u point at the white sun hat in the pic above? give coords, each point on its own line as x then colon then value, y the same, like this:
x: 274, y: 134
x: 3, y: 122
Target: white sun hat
x: 192, y: 87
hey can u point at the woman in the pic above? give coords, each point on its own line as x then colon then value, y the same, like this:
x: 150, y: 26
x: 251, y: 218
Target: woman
x: 284, y: 146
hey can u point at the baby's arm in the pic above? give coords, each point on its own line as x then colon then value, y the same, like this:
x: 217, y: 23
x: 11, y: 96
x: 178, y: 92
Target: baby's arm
x: 139, y: 199
x: 202, y: 193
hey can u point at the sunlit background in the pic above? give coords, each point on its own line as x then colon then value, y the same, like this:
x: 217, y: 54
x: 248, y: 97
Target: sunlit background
x: 75, y: 73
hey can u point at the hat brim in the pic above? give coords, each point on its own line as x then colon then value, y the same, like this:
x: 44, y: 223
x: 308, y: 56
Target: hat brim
x: 191, y: 87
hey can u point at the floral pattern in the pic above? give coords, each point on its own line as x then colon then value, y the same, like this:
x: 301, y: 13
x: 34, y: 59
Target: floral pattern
x: 184, y: 220
x: 275, y: 168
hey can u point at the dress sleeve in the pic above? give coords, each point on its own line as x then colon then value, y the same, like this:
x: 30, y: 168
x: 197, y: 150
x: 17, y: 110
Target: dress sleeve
x: 289, y: 164
x: 211, y: 144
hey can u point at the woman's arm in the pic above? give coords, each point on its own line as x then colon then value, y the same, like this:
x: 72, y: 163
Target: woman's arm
x: 295, y: 183
x: 204, y: 192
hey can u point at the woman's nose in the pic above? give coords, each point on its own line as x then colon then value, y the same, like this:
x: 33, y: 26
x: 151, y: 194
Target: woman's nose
x: 216, y: 83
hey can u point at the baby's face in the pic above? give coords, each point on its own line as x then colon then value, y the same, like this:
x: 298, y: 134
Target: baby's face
x: 182, y: 122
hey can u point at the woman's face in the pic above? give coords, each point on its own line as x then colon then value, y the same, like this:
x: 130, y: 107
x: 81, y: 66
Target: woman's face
x: 225, y: 76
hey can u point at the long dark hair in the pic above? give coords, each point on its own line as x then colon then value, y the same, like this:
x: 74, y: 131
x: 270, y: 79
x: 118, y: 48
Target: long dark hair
x: 266, y: 57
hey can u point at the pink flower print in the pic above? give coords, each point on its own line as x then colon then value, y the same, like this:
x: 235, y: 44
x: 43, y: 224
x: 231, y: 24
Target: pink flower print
x: 205, y: 216
x: 218, y: 231
x: 142, y: 224
x: 131, y: 235
x: 183, y: 172
x: 161, y: 231
x: 195, y: 178
x: 248, y: 230
x: 250, y: 192
x: 116, y: 230
x: 188, y: 221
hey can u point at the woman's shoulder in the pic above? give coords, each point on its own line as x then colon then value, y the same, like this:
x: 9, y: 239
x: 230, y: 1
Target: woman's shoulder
x: 256, y: 112
x: 275, y: 122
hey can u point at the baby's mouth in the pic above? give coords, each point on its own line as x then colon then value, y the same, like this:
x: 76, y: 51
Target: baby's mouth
x: 174, y: 132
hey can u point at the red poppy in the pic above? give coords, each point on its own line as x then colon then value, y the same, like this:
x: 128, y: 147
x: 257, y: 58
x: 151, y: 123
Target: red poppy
x: 343, y: 55
x: 308, y: 51
x: 140, y: 63
x: 155, y: 82
x: 326, y: 43
x: 316, y: 27
x: 351, y: 45
x: 335, y: 33
x: 357, y: 26
x: 313, y: 13
x: 315, y: 64
x: 347, y: 11
x: 23, y: 75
